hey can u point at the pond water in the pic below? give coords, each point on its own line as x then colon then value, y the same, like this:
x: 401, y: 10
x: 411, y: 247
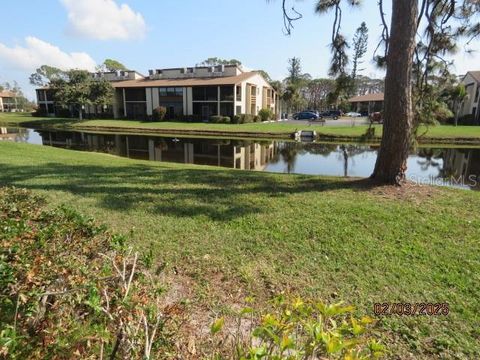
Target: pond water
x: 457, y: 167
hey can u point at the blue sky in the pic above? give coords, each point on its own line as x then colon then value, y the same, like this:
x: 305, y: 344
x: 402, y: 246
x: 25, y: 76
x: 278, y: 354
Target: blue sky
x: 145, y: 34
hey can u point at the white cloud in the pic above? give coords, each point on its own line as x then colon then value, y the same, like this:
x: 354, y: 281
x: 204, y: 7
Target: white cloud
x: 104, y: 20
x: 37, y: 52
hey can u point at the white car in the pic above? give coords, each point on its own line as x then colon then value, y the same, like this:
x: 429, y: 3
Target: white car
x: 353, y: 114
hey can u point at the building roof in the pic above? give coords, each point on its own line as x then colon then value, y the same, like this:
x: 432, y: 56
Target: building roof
x: 475, y: 75
x: 181, y: 82
x: 6, y: 94
x: 367, y: 97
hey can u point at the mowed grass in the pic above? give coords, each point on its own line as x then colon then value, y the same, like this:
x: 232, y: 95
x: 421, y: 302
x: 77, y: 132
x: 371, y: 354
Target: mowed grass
x: 441, y: 131
x: 223, y: 234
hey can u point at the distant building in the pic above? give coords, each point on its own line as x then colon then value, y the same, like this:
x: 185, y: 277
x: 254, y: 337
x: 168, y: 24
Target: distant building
x: 367, y: 103
x: 471, y: 106
x: 8, y: 101
x: 199, y: 92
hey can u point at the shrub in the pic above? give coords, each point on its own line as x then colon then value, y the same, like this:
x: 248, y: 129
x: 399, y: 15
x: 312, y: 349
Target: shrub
x: 64, y: 279
x: 246, y: 118
x: 257, y: 118
x: 265, y: 114
x: 64, y: 113
x: 216, y: 119
x: 302, y: 329
x: 226, y: 120
x: 236, y: 119
x: 39, y: 113
x: 466, y: 120
x: 159, y: 113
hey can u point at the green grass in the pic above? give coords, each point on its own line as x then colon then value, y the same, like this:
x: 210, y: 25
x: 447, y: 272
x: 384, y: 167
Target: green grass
x: 441, y: 131
x: 224, y: 234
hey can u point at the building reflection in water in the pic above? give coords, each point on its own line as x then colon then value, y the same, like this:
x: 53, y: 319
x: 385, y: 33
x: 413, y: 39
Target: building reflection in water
x: 236, y: 154
x: 14, y: 134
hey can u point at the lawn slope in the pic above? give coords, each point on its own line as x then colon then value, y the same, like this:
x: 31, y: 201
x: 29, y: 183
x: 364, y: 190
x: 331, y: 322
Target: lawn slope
x: 224, y: 234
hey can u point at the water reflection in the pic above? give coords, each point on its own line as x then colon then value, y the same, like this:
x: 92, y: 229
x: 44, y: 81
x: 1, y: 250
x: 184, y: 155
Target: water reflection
x: 237, y: 154
x: 14, y: 134
x: 459, y: 167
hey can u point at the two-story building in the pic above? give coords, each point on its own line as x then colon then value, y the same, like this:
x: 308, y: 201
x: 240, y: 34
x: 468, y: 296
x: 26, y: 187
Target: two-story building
x: 471, y: 105
x: 204, y: 91
x: 199, y: 92
x: 8, y: 101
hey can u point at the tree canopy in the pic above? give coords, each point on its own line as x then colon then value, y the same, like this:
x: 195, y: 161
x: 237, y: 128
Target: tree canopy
x: 213, y: 61
x: 78, y: 88
x: 45, y: 74
x: 113, y: 65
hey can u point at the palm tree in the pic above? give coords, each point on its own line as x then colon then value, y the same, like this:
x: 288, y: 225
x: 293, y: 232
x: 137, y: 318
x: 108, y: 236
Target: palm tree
x: 458, y: 95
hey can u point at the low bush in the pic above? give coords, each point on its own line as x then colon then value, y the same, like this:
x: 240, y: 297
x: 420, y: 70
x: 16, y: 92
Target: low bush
x: 265, y: 114
x: 159, y: 113
x: 69, y: 288
x: 216, y: 119
x: 300, y: 329
x: 64, y: 113
x: 236, y: 119
x: 226, y: 120
x: 245, y: 118
x: 257, y: 118
x: 39, y: 113
x: 466, y: 120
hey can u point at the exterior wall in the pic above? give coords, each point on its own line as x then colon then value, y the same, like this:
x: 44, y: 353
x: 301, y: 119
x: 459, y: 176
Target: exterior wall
x: 1, y: 104
x: 259, y: 82
x: 472, y: 102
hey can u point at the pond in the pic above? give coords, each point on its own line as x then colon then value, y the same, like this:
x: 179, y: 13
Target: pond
x: 446, y: 166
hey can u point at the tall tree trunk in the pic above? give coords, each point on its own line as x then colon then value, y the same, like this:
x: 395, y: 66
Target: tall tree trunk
x: 391, y: 162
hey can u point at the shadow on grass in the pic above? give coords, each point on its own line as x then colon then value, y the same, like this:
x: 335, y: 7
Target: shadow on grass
x: 217, y: 194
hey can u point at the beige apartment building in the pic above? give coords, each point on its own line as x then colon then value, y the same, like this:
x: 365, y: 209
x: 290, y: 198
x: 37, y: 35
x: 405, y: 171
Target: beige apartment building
x: 8, y: 101
x: 225, y: 90
x: 471, y: 105
x: 196, y: 92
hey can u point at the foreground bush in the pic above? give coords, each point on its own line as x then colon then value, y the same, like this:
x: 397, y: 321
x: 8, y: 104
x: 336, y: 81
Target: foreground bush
x: 298, y: 329
x: 70, y: 289
x: 266, y: 114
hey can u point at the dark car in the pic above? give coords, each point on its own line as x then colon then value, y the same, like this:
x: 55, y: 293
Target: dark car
x: 334, y: 114
x: 305, y: 115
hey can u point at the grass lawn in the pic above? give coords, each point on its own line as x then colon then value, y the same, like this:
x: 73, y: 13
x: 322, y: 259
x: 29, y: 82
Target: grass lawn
x: 221, y: 235
x: 437, y: 132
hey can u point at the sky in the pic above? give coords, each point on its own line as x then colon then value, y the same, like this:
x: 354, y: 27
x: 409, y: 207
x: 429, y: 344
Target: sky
x: 151, y: 34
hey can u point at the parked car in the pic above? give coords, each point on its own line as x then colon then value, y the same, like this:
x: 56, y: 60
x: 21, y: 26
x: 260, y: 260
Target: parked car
x: 334, y: 114
x: 305, y: 115
x: 353, y: 114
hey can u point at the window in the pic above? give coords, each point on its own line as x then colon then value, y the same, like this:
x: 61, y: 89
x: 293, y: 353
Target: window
x: 170, y: 92
x: 238, y: 110
x: 226, y: 109
x: 41, y: 95
x: 205, y: 93
x: 239, y: 93
x: 226, y: 93
x: 135, y: 94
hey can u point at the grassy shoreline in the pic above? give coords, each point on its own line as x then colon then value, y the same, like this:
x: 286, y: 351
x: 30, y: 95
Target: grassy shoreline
x: 224, y: 234
x: 466, y: 135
